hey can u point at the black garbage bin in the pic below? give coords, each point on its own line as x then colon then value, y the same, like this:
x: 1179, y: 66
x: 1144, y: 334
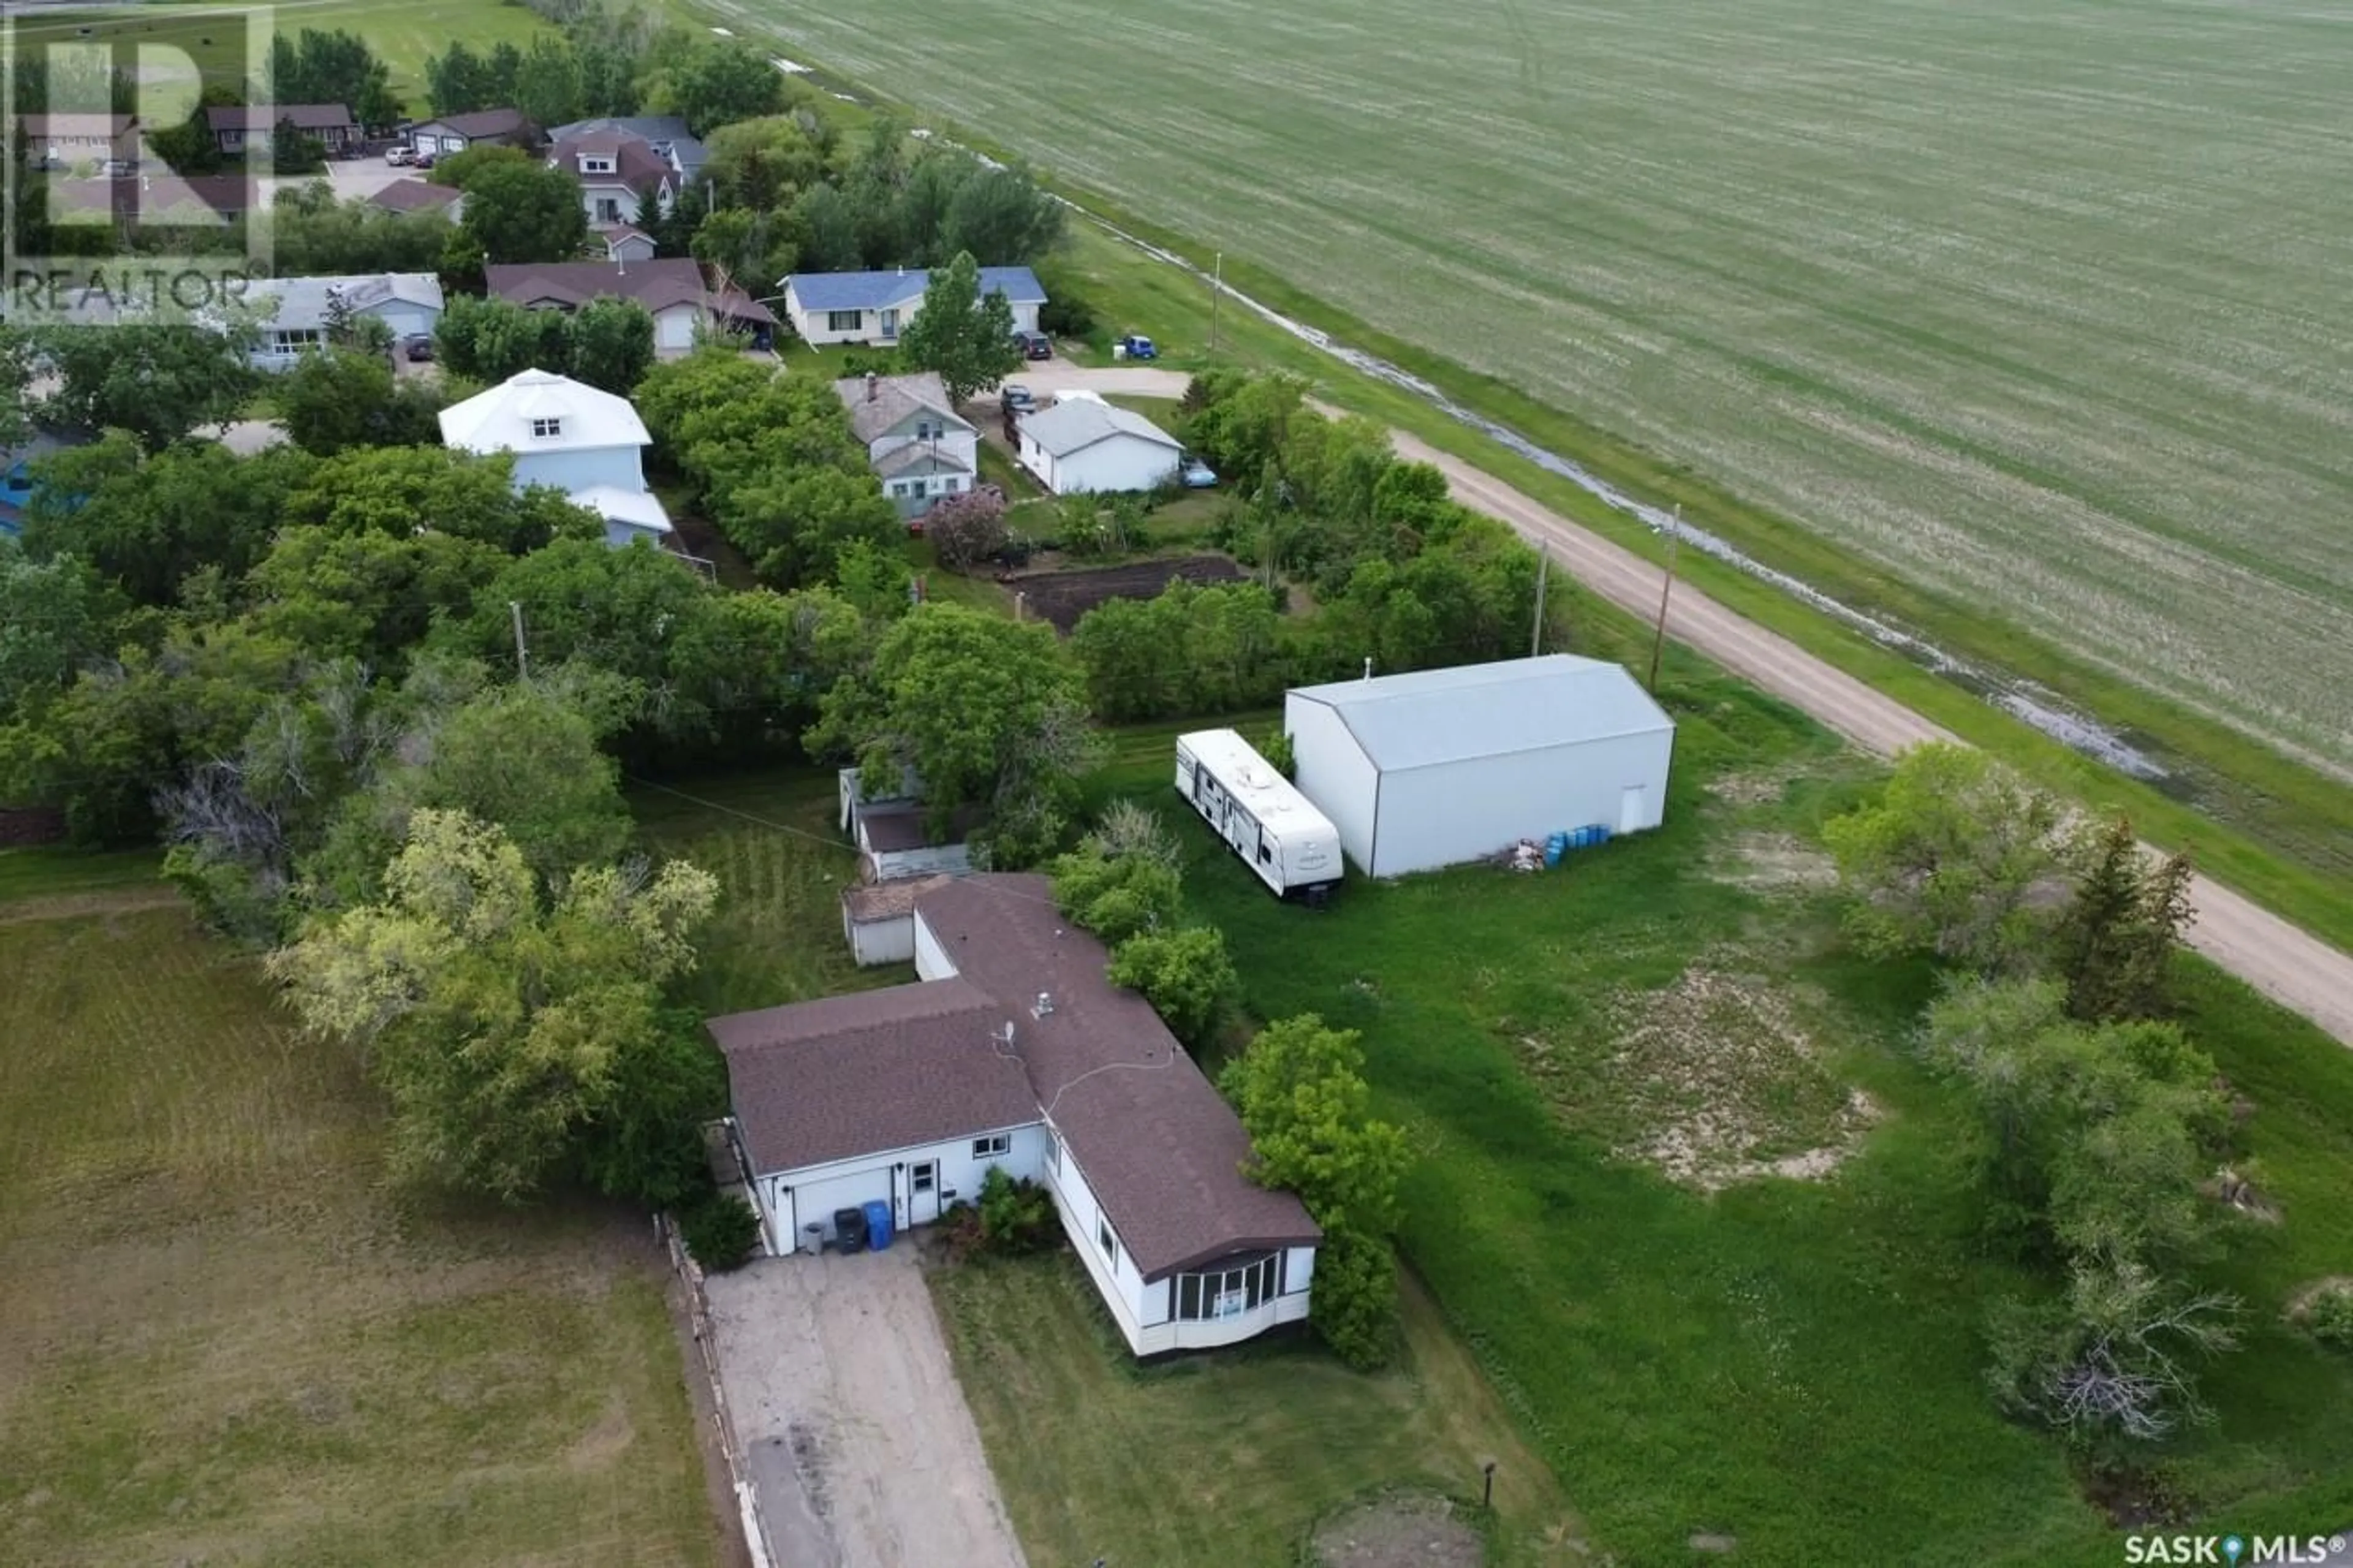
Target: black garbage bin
x: 849, y: 1230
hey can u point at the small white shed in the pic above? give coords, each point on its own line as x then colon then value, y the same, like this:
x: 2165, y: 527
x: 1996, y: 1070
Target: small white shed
x: 1441, y: 766
x: 1083, y: 445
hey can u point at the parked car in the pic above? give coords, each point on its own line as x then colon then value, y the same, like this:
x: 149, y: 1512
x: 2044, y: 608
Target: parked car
x: 1196, y: 474
x: 400, y: 157
x: 1017, y: 398
x: 419, y: 347
x: 423, y: 160
x: 1136, y: 346
x: 1034, y: 345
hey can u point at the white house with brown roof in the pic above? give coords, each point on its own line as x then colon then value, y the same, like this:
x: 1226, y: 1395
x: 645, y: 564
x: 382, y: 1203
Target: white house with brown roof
x: 919, y: 446
x: 68, y: 138
x: 1013, y: 1049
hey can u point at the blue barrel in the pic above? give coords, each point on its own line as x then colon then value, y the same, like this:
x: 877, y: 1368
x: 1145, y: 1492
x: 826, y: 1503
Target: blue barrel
x: 877, y: 1225
x: 1600, y: 835
x: 1555, y: 847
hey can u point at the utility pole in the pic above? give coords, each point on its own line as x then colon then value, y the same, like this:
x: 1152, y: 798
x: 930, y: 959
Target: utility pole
x: 522, y: 651
x: 1217, y: 298
x: 1543, y: 568
x: 1659, y: 637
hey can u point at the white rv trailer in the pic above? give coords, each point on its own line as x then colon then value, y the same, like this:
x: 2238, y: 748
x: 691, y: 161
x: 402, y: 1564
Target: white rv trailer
x: 1280, y: 835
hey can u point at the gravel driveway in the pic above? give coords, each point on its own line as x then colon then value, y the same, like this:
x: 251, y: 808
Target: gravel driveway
x: 842, y: 1396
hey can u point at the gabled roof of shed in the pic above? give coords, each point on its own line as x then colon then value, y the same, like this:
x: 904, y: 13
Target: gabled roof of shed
x: 1428, y: 716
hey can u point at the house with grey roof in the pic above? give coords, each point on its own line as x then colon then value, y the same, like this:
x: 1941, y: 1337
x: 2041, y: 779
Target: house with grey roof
x: 1084, y: 444
x: 922, y: 449
x: 409, y: 194
x: 873, y: 306
x: 297, y: 314
x: 623, y: 181
x: 674, y: 290
x: 666, y: 134
x: 1438, y: 767
x: 236, y: 126
x: 1013, y: 1050
x: 480, y: 128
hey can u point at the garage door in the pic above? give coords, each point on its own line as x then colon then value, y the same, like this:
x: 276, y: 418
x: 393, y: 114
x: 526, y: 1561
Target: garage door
x: 814, y: 1203
x: 675, y: 329
x: 408, y: 323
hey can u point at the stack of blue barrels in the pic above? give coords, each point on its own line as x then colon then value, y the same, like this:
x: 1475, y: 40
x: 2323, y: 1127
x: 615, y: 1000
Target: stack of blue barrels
x: 1560, y: 844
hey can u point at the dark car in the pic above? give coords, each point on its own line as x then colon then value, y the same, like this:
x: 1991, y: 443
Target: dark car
x: 418, y: 347
x: 1017, y: 398
x: 1034, y: 345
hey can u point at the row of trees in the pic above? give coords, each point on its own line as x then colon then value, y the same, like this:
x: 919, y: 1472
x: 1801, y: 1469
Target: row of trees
x: 2100, y: 1127
x: 1122, y: 884
x: 1402, y: 573
x: 607, y: 343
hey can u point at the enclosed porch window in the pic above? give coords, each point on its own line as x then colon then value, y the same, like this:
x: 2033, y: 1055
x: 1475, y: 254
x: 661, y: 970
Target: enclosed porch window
x: 1230, y: 1289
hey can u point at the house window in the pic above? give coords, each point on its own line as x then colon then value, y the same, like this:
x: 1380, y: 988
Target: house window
x: 543, y: 428
x: 953, y: 484
x: 608, y: 209
x: 926, y: 430
x: 844, y: 320
x: 293, y: 340
x: 1107, y: 1239
x: 994, y: 1148
x: 595, y: 166
x: 1229, y: 1292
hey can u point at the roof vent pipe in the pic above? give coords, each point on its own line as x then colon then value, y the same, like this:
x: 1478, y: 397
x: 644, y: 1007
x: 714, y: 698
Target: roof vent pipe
x: 1045, y: 1005
x: 1369, y: 667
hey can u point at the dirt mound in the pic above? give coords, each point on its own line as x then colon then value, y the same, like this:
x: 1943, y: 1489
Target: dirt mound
x: 1721, y: 1072
x: 1399, y: 1531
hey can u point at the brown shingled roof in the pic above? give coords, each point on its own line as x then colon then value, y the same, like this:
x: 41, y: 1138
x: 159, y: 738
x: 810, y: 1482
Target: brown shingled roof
x: 870, y: 1072
x: 1160, y: 1148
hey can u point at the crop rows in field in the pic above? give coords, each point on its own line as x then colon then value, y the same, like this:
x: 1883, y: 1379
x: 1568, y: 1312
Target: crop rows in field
x: 2037, y: 303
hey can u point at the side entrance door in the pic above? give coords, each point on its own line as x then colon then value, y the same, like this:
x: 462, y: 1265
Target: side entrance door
x: 1631, y: 813
x: 889, y: 326
x: 924, y: 1192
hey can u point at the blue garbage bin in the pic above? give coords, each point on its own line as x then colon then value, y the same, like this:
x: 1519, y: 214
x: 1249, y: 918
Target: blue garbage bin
x: 877, y: 1225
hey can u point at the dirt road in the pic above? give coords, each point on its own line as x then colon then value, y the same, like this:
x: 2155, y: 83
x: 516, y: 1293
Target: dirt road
x: 860, y: 1447
x: 2284, y: 962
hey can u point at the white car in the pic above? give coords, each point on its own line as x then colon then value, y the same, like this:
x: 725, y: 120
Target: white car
x: 400, y: 157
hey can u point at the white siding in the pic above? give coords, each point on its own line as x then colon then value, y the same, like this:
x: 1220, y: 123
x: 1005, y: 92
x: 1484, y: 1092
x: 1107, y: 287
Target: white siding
x: 872, y: 942
x: 794, y: 1199
x: 1146, y: 1311
x: 1120, y: 462
x: 620, y: 535
x: 1332, y: 770
x: 811, y: 324
x: 931, y: 960
x: 674, y: 328
x: 580, y: 468
x: 1454, y: 812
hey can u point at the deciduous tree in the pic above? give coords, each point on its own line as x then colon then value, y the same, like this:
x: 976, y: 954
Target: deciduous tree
x: 721, y: 81
x: 1301, y: 1092
x: 982, y: 709
x: 1184, y: 973
x: 963, y: 334
x: 1947, y: 860
x: 501, y: 1021
x: 525, y: 212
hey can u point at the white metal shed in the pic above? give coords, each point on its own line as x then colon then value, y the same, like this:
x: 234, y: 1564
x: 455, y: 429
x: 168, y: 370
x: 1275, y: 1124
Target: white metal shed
x: 1441, y: 766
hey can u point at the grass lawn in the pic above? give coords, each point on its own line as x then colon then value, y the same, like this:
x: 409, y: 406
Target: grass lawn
x: 402, y: 35
x: 229, y: 1340
x: 1795, y: 1362
x: 1221, y: 1460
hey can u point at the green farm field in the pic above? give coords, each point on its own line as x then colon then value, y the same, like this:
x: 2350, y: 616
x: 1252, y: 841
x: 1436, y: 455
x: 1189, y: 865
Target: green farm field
x: 402, y: 33
x: 2028, y: 304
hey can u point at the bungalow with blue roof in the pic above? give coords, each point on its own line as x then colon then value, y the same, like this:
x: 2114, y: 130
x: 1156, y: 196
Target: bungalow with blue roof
x: 17, y: 484
x: 873, y: 306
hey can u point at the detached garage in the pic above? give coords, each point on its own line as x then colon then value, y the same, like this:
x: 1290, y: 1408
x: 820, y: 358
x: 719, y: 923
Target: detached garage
x: 1441, y: 766
x: 1085, y: 446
